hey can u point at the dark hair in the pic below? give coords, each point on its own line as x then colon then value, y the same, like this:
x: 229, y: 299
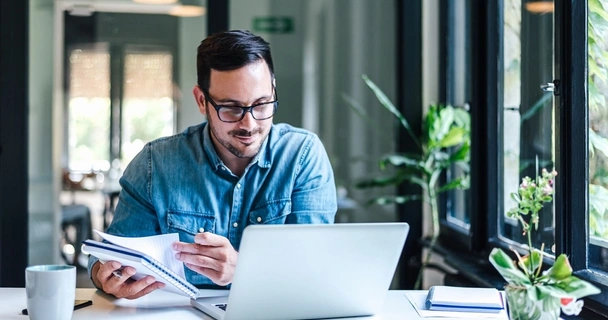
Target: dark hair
x: 229, y: 50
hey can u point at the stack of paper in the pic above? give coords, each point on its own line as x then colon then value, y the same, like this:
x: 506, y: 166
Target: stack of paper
x: 444, y: 298
x: 418, y: 299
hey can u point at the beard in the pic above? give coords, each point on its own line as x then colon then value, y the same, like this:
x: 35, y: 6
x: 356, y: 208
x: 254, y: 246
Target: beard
x: 238, y: 152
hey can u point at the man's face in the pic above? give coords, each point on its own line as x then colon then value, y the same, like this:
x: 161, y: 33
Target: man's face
x: 246, y: 86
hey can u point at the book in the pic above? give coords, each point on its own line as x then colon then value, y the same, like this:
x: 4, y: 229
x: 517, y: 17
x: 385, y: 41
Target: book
x: 464, y: 299
x: 148, y: 255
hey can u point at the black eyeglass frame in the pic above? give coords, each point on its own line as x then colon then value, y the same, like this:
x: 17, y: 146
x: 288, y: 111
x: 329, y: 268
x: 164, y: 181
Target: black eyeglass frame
x: 245, y: 109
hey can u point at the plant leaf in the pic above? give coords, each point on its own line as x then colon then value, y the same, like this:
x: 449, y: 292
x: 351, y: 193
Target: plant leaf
x: 598, y: 142
x: 454, y: 137
x: 386, y: 102
x: 576, y: 287
x: 504, y: 265
x: 598, y: 198
x: 560, y: 270
x: 461, y: 182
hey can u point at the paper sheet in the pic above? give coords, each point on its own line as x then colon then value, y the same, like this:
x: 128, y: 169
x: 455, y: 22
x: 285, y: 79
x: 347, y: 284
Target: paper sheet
x: 158, y: 247
x: 418, y: 299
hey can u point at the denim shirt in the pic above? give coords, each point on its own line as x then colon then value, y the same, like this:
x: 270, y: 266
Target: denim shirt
x: 179, y: 184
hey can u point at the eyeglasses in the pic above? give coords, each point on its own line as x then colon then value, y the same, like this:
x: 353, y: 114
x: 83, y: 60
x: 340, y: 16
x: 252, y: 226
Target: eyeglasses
x: 260, y: 111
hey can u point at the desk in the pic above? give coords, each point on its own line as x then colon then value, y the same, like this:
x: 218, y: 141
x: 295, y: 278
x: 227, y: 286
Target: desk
x: 164, y: 305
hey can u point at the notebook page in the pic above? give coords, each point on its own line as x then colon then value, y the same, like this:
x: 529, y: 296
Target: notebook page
x: 158, y: 247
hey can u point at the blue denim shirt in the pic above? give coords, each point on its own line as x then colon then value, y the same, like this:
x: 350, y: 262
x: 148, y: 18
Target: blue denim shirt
x: 179, y: 184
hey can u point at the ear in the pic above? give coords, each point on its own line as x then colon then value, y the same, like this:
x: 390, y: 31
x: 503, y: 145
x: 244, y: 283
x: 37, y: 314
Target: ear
x: 199, y: 97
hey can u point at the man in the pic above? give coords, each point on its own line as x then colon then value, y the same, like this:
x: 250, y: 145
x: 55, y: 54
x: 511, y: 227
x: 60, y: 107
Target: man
x: 210, y: 181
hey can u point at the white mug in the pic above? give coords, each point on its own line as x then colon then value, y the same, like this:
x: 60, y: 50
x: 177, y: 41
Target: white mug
x: 51, y: 290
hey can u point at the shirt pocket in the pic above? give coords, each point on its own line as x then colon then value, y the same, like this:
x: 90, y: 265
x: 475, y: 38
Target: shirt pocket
x: 188, y: 224
x: 274, y: 212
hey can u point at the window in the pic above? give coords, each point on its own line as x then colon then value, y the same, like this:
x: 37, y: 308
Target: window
x: 119, y: 87
x: 528, y: 112
x: 598, y: 133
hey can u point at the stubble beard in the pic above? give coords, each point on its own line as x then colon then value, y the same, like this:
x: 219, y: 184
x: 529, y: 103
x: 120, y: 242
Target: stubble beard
x: 231, y: 147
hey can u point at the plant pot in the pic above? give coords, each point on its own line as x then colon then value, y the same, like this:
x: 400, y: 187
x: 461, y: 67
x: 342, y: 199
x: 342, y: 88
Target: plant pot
x: 524, y: 305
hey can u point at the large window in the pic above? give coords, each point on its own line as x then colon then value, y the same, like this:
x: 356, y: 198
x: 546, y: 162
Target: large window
x: 120, y: 87
x: 598, y: 133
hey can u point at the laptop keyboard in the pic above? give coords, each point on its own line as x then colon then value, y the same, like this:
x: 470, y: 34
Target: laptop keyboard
x: 222, y: 306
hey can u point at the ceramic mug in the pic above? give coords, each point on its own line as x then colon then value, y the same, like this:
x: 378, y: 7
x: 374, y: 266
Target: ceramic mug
x: 51, y: 290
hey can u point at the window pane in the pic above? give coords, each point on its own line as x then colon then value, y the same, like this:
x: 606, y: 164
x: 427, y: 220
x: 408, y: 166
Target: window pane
x: 148, y: 106
x: 89, y: 109
x: 528, y: 139
x: 458, y: 93
x: 598, y: 133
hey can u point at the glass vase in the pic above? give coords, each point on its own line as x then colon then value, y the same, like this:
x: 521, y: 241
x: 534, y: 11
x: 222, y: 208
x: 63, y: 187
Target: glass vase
x: 523, y: 305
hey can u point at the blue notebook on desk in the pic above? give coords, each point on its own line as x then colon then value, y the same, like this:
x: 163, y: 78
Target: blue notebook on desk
x: 144, y: 264
x: 446, y: 298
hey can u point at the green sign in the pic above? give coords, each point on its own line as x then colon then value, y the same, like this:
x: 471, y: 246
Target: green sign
x: 273, y: 24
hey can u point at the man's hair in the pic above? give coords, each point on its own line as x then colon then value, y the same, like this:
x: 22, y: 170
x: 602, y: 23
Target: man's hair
x: 230, y: 50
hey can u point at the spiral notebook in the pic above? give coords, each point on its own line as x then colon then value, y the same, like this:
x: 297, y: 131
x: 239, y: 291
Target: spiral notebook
x: 144, y: 264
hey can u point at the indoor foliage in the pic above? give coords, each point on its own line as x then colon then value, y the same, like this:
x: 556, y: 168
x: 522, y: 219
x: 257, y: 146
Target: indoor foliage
x: 443, y: 143
x: 531, y: 292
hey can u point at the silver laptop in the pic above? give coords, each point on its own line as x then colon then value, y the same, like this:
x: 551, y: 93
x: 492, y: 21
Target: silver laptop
x: 310, y: 271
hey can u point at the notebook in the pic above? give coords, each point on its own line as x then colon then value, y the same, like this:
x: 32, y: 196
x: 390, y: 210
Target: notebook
x: 145, y: 265
x: 465, y: 299
x: 310, y: 271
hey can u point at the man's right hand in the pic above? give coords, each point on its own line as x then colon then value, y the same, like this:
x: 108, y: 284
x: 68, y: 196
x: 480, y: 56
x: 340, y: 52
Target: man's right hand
x: 122, y: 287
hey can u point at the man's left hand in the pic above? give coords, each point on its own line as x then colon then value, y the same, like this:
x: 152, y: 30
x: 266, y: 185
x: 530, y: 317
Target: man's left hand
x: 210, y: 255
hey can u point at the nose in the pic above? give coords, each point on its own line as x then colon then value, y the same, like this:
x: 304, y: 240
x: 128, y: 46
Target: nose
x: 248, y: 122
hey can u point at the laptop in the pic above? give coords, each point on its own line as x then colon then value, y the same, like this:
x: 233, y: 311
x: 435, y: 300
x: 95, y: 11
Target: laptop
x: 310, y: 271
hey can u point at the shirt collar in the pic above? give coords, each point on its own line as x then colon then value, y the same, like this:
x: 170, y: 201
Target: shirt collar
x: 263, y: 158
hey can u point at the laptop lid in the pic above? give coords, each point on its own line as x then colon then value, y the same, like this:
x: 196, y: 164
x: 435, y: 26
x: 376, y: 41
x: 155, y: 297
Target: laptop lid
x: 312, y: 271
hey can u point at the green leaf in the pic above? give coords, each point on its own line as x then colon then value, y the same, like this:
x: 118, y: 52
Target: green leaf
x: 462, y: 154
x: 576, y: 287
x: 504, y: 265
x: 443, y: 123
x: 454, y: 137
x: 560, y: 270
x: 598, y: 142
x: 531, y: 262
x: 386, y: 102
x: 598, y: 198
x: 401, y: 160
x: 461, y: 182
x: 596, y: 6
x: 462, y: 118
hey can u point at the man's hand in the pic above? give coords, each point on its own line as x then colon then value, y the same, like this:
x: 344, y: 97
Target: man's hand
x: 122, y: 286
x: 210, y: 255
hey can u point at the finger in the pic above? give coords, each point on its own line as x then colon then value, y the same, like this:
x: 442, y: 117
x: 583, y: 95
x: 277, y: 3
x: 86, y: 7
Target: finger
x: 105, y: 269
x: 213, y: 275
x: 154, y: 286
x: 131, y: 289
x: 187, y: 247
x: 199, y: 260
x: 210, y: 239
x: 113, y: 284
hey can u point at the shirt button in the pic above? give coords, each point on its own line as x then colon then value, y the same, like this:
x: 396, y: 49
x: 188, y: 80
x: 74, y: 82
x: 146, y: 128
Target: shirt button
x: 238, y: 185
x: 259, y: 219
x: 235, y: 224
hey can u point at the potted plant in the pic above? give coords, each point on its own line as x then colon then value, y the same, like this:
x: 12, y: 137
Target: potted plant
x: 444, y: 142
x: 532, y: 293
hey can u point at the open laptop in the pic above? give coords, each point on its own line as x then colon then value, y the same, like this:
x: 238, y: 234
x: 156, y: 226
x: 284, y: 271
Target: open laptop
x: 310, y: 271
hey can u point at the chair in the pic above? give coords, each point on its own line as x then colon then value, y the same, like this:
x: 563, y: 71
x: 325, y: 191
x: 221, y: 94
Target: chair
x: 76, y: 227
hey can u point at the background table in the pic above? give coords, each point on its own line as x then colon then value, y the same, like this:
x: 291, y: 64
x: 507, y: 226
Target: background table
x: 165, y: 305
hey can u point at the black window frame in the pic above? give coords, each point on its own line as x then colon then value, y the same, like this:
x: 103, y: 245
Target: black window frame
x: 470, y: 251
